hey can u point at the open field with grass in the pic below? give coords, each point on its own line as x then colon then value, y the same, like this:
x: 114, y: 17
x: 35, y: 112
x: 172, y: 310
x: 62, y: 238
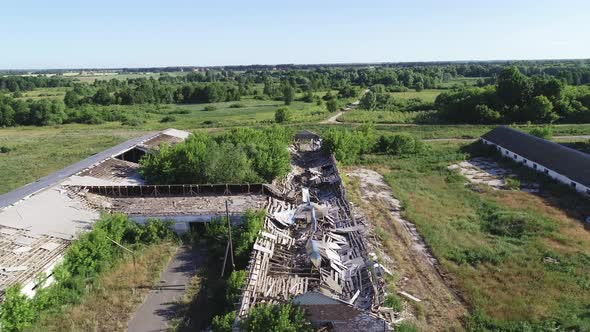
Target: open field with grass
x: 428, y: 95
x: 115, y: 296
x: 530, y: 279
x: 38, y: 151
x: 45, y: 93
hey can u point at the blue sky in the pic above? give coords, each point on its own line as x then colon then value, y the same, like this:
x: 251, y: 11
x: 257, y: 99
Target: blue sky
x: 107, y: 33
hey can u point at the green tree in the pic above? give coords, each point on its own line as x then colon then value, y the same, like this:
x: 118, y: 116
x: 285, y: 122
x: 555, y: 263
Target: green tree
x: 223, y: 323
x: 513, y: 87
x: 540, y: 110
x: 332, y: 105
x: 369, y: 101
x: 288, y: 94
x: 282, y: 115
x: 486, y: 114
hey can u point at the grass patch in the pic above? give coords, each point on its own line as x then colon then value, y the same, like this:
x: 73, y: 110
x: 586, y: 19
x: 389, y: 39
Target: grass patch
x: 499, y: 248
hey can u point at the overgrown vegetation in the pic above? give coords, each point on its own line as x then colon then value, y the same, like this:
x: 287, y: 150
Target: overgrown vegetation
x: 237, y: 156
x: 281, y: 317
x: 498, y: 247
x: 349, y: 145
x: 90, y: 255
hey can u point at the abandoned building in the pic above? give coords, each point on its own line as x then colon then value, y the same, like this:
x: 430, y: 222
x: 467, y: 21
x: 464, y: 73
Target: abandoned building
x: 311, y: 248
x: 38, y: 221
x: 559, y: 162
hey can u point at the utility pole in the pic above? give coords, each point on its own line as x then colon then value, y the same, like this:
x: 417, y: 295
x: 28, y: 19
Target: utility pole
x: 229, y: 248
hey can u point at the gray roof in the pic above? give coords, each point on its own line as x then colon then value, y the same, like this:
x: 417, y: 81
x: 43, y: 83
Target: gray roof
x: 561, y: 159
x: 306, y: 134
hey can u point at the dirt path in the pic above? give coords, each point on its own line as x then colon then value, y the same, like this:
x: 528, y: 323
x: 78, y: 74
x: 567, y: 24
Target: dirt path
x: 417, y: 271
x: 160, y: 306
x: 333, y: 119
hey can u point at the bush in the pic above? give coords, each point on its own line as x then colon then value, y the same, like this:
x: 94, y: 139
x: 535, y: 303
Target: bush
x: 394, y: 302
x: 542, y: 132
x: 5, y: 149
x: 515, y: 224
x: 400, y: 144
x: 16, y: 312
x: 282, y: 115
x: 209, y: 108
x: 234, y: 287
x: 512, y: 184
x: 132, y: 121
x: 237, y: 105
x: 282, y: 317
x: 168, y: 118
x: 223, y: 323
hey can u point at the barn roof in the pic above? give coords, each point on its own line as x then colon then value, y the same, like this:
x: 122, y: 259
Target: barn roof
x: 559, y: 158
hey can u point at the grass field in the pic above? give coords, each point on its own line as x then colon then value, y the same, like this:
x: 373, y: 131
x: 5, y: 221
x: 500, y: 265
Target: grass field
x: 45, y: 93
x: 428, y: 95
x: 38, y: 151
x: 511, y: 282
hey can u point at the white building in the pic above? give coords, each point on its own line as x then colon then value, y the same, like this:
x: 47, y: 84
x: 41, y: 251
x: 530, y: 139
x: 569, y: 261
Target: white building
x: 561, y: 163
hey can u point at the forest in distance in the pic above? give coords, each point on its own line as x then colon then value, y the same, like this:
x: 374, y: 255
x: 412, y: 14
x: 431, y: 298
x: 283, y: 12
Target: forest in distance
x: 474, y: 93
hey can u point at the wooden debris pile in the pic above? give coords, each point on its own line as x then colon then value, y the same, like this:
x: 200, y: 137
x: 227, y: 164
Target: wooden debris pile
x: 315, y: 244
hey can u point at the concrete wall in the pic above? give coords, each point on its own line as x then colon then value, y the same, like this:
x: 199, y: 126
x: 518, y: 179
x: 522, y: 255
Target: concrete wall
x: 539, y: 168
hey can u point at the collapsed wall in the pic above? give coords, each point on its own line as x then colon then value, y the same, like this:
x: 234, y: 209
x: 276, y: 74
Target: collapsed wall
x: 313, y: 244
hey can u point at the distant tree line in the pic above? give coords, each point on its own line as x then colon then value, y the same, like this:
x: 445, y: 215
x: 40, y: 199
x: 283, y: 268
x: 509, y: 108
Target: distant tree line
x: 516, y: 98
x: 28, y: 83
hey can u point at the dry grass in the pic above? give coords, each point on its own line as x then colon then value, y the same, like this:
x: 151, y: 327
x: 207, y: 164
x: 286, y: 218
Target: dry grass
x: 110, y: 305
x: 439, y: 310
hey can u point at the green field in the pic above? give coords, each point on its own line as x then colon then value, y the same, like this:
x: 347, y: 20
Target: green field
x: 45, y: 93
x: 428, y: 95
x: 511, y: 282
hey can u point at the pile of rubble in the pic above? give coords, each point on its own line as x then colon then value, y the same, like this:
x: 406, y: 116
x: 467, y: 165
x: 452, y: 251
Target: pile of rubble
x: 314, y: 244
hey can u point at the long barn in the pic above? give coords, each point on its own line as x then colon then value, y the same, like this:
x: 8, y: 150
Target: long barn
x: 559, y: 162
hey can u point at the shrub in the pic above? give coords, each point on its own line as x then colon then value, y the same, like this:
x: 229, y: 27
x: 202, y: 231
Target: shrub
x: 406, y: 327
x: 475, y: 256
x: 237, y: 105
x: 542, y: 132
x: 282, y: 317
x: 133, y: 122
x: 168, y: 118
x: 16, y: 312
x: 400, y: 144
x: 394, y: 302
x: 282, y: 115
x: 516, y: 224
x: 209, y: 108
x: 512, y: 184
x: 234, y: 285
x: 5, y: 149
x: 223, y: 323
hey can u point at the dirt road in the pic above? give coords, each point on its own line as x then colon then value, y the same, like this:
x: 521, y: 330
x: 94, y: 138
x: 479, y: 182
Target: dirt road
x: 332, y: 119
x: 417, y: 271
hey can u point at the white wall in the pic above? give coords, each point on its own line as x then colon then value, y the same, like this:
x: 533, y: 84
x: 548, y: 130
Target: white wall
x: 540, y: 168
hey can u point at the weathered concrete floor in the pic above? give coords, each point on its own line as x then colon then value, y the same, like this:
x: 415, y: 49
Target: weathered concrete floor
x: 160, y: 305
